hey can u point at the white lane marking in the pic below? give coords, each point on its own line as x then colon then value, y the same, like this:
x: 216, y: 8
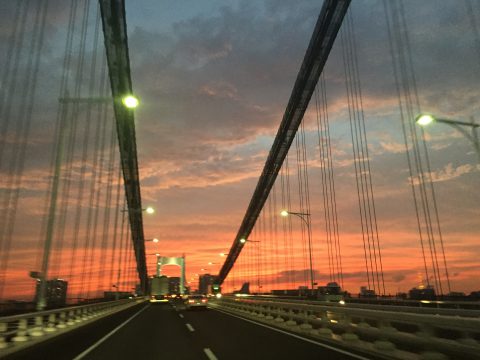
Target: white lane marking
x: 190, y: 327
x: 91, y: 348
x: 210, y: 354
x: 181, y: 315
x: 298, y: 337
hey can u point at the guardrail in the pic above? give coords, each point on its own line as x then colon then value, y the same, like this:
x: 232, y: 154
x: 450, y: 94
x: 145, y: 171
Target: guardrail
x: 384, y: 334
x: 427, y: 307
x: 21, y: 331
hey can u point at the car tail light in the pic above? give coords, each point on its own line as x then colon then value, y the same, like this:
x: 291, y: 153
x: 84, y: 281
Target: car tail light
x: 204, y: 300
x: 191, y: 301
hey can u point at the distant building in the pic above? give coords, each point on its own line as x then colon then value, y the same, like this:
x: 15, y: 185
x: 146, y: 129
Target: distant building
x: 330, y: 292
x: 303, y: 290
x: 287, y: 292
x: 174, y: 285
x: 475, y: 295
x: 205, y: 283
x: 366, y: 292
x: 55, y: 293
x: 422, y: 293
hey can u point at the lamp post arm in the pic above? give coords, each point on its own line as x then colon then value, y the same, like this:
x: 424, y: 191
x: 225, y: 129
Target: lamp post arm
x: 302, y: 216
x: 473, y: 136
x: 457, y: 122
x: 463, y: 131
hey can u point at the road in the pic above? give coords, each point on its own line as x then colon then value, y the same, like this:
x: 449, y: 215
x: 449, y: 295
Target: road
x: 168, y: 332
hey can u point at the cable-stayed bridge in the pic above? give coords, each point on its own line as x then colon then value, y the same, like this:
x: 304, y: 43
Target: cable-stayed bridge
x: 76, y: 267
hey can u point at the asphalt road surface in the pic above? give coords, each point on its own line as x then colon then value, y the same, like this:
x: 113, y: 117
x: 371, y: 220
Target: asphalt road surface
x: 163, y: 331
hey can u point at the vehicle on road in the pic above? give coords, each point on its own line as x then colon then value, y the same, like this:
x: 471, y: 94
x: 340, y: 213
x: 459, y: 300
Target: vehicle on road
x: 158, y: 289
x: 196, y: 302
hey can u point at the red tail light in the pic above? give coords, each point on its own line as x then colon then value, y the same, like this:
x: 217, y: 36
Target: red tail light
x: 204, y: 300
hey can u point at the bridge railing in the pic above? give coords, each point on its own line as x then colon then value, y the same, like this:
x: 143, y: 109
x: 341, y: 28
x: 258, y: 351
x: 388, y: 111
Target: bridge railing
x: 20, y: 331
x: 464, y: 309
x: 388, y: 334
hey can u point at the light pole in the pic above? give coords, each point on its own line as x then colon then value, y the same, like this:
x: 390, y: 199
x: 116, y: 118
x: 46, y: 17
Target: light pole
x: 149, y: 210
x: 426, y: 119
x: 243, y: 241
x: 303, y: 216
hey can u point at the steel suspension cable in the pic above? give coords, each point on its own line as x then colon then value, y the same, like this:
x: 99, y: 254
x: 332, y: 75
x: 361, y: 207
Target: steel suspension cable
x: 9, y: 78
x: 331, y: 182
x: 326, y: 198
x: 84, y: 148
x: 301, y: 206
x: 60, y: 119
x: 409, y: 100
x: 361, y: 156
x: 359, y: 185
x: 372, y: 208
x: 415, y: 104
x: 394, y: 50
x: 17, y: 163
x: 118, y: 212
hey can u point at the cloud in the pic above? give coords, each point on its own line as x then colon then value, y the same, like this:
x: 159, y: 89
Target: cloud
x: 449, y: 172
x: 398, y: 277
x: 213, y: 87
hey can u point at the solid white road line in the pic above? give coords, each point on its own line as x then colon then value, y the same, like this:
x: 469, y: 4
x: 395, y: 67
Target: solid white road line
x: 210, y: 354
x: 181, y: 315
x: 190, y: 327
x: 86, y: 352
x: 298, y: 337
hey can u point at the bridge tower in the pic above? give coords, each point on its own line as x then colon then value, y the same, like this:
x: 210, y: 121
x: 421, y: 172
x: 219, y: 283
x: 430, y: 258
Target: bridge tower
x: 179, y: 261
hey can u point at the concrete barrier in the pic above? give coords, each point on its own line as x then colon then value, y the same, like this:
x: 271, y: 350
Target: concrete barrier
x: 20, y: 331
x: 387, y: 334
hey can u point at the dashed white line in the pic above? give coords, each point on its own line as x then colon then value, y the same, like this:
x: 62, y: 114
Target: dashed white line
x: 189, y: 327
x: 181, y: 315
x: 210, y: 354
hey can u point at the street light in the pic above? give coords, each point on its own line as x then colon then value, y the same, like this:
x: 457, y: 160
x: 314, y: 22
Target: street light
x: 302, y: 216
x: 155, y: 240
x: 130, y: 101
x: 149, y: 210
x: 243, y: 241
x: 426, y: 119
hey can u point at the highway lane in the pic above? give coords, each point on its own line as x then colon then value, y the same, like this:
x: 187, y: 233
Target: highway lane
x: 230, y: 337
x: 72, y: 343
x: 165, y: 332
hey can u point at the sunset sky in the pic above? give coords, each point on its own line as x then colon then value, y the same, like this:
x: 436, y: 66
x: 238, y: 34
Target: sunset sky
x: 213, y: 78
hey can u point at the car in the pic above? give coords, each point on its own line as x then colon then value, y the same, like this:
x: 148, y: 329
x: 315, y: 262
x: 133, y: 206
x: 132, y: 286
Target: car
x: 196, y: 302
x: 158, y: 298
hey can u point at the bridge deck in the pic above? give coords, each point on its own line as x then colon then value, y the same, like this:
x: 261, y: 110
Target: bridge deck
x: 161, y: 331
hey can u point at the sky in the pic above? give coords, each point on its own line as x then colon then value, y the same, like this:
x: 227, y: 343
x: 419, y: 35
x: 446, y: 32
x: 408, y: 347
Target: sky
x: 213, y: 79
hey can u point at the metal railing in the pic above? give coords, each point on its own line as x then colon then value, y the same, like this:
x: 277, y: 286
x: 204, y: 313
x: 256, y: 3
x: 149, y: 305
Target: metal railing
x: 387, y: 334
x: 18, y: 332
x: 464, y: 309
